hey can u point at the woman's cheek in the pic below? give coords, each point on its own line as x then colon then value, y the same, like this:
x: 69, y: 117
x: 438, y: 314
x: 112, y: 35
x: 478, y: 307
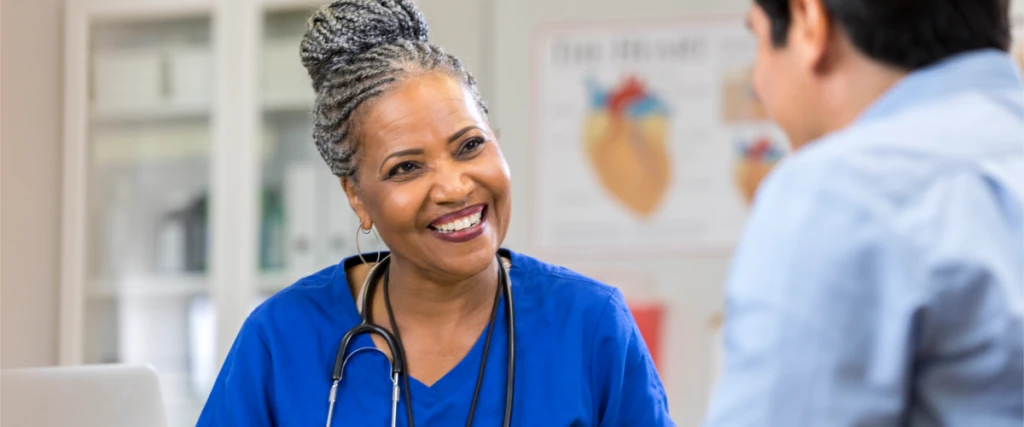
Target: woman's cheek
x: 397, y: 204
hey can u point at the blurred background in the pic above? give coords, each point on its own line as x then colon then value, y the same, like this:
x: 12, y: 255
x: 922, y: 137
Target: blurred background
x: 159, y: 178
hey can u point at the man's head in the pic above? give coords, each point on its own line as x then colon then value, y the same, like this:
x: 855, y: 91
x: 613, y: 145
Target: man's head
x: 821, y: 62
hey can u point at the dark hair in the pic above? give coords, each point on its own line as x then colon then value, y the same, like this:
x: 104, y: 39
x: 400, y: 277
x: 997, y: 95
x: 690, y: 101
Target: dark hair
x: 354, y: 50
x: 908, y: 34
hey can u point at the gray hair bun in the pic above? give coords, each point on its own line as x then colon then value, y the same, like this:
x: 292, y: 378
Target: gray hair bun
x: 355, y: 50
x: 344, y: 29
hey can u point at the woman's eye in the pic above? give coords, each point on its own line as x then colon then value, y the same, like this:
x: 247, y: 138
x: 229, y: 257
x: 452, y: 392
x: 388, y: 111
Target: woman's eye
x: 472, y: 145
x: 402, y: 169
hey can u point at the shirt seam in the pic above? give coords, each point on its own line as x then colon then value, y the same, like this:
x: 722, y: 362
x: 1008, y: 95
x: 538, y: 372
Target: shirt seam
x: 593, y: 343
x: 556, y: 274
x: 260, y: 336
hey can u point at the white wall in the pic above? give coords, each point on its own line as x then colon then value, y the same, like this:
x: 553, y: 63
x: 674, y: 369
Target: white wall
x: 31, y: 39
x: 460, y: 27
x: 692, y: 283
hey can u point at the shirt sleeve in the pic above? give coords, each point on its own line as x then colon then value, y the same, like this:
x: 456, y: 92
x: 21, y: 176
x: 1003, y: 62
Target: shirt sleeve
x: 241, y: 395
x: 627, y: 388
x: 816, y: 331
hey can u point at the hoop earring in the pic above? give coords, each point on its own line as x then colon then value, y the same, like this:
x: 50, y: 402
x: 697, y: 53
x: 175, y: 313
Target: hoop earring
x: 360, y: 230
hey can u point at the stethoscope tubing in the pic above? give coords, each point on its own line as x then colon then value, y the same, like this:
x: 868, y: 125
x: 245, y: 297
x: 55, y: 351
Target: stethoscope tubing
x: 398, y: 361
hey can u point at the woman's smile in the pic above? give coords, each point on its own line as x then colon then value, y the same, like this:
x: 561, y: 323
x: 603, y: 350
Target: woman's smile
x: 462, y: 225
x: 435, y: 183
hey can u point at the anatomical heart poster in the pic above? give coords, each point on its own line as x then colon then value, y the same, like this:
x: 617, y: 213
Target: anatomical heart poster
x: 646, y: 136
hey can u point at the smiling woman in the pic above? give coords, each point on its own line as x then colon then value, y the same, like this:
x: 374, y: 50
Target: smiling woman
x: 400, y: 122
x: 428, y: 165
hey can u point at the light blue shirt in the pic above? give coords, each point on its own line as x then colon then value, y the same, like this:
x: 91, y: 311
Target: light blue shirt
x: 880, y: 279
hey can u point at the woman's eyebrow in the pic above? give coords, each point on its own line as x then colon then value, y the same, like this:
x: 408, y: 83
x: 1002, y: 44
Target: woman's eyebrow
x: 400, y: 153
x: 455, y: 136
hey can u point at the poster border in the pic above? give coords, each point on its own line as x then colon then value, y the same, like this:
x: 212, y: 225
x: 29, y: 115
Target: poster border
x: 539, y: 35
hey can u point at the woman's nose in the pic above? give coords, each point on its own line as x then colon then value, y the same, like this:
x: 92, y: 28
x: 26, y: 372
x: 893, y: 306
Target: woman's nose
x: 451, y: 185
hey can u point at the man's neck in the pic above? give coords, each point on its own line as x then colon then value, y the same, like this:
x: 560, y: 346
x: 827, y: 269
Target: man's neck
x: 851, y: 91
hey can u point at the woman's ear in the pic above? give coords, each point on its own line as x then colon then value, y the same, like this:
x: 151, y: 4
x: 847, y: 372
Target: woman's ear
x: 351, y: 190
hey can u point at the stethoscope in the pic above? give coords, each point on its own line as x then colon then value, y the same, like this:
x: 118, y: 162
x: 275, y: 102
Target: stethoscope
x: 394, y: 343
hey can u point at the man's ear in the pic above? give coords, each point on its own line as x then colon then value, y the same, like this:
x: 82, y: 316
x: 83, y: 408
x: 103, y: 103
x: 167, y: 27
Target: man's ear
x: 352, y: 191
x: 812, y: 34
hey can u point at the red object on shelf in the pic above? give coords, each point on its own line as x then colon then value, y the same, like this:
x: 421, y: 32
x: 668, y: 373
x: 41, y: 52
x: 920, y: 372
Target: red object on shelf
x: 649, y: 318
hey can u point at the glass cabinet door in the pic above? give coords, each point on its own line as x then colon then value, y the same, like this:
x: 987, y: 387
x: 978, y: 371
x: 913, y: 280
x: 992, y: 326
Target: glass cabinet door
x: 305, y: 220
x: 147, y: 196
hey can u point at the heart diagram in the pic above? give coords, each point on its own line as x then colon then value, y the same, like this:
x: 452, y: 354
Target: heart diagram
x: 755, y: 158
x: 625, y: 138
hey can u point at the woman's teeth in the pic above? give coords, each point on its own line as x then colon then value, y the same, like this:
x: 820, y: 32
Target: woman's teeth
x: 460, y: 224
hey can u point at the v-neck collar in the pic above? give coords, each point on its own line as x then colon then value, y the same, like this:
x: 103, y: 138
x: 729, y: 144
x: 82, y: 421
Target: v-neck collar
x: 464, y: 374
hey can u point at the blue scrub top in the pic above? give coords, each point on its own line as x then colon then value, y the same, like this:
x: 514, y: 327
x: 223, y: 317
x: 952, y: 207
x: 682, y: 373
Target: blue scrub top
x: 580, y: 360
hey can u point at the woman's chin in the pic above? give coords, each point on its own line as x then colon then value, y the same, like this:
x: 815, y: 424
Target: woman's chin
x: 465, y: 261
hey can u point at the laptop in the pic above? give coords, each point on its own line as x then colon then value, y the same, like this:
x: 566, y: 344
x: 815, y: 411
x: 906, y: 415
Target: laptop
x: 85, y: 396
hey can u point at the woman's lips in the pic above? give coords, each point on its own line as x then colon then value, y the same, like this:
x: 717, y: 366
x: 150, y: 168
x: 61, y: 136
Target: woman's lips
x: 462, y: 225
x: 444, y: 219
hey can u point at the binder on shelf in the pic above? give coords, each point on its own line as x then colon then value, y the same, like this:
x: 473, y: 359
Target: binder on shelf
x: 339, y: 223
x: 202, y: 345
x: 125, y: 79
x: 285, y: 83
x: 153, y: 331
x: 190, y: 76
x: 300, y: 184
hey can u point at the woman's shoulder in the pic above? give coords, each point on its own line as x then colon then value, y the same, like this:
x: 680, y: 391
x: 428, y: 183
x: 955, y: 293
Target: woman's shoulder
x: 557, y: 275
x: 313, y: 298
x: 560, y: 286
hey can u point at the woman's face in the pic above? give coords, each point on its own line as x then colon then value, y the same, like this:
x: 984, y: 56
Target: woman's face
x: 431, y: 177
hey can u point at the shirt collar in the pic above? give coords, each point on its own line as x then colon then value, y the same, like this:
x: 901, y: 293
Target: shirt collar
x: 988, y: 71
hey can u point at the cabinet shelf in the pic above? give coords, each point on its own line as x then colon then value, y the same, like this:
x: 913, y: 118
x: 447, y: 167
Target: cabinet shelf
x: 184, y: 285
x: 159, y: 113
x: 290, y: 103
x: 154, y: 113
x: 156, y: 142
x: 150, y: 286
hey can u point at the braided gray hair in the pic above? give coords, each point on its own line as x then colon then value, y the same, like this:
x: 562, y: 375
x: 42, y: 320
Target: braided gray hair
x: 355, y: 50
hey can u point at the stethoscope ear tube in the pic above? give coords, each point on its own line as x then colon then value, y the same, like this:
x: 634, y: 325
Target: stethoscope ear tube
x: 510, y: 386
x: 397, y: 355
x: 397, y: 358
x: 364, y: 326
